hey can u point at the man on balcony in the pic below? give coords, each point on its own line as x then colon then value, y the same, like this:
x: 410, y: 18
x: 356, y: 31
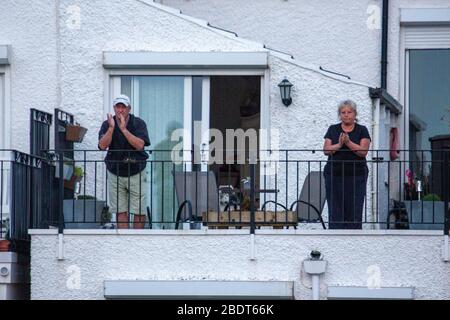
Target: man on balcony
x: 125, y: 136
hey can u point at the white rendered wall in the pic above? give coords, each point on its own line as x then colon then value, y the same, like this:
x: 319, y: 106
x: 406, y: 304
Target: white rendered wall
x: 354, y: 259
x: 30, y: 28
x: 127, y: 26
x: 87, y: 29
x: 343, y: 36
x: 120, y: 26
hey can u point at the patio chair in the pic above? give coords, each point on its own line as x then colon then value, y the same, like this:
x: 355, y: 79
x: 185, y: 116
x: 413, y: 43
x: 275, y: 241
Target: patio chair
x: 311, y: 200
x: 197, y: 192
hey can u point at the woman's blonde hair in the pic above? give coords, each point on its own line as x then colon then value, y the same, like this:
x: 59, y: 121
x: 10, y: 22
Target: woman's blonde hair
x: 347, y: 103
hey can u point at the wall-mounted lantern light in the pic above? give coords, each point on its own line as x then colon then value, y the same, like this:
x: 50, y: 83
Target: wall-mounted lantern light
x: 285, y: 91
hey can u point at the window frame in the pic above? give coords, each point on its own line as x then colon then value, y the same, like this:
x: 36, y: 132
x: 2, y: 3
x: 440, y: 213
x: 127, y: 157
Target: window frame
x: 5, y: 108
x: 405, y: 49
x: 112, y: 86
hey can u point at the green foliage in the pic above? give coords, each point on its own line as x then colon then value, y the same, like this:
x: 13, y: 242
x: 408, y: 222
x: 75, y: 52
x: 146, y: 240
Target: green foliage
x: 431, y: 197
x: 85, y: 196
x: 78, y: 172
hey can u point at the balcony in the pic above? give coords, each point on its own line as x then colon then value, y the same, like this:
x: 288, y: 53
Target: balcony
x: 281, y: 189
x: 254, y: 221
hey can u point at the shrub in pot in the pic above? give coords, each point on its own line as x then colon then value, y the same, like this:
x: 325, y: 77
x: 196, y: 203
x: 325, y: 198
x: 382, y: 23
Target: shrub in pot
x: 85, y: 212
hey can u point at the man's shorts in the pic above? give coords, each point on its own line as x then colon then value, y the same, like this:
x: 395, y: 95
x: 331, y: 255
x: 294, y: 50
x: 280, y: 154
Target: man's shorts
x: 127, y: 194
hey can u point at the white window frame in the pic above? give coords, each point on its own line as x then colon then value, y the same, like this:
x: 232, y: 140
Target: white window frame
x: 5, y: 108
x: 5, y: 134
x: 2, y: 110
x: 417, y: 19
x: 113, y: 85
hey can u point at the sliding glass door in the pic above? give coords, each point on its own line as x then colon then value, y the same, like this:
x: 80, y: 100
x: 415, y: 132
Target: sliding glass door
x: 429, y: 116
x: 166, y: 104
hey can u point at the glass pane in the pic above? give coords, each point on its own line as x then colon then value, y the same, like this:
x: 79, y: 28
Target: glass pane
x: 429, y: 112
x: 196, y: 115
x: 161, y: 106
x: 429, y: 94
x: 2, y: 112
x: 126, y: 86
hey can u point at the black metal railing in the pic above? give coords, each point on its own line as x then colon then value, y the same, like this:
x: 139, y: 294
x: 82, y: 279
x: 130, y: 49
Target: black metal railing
x: 40, y: 123
x: 280, y: 189
x: 295, y: 188
x: 24, y: 197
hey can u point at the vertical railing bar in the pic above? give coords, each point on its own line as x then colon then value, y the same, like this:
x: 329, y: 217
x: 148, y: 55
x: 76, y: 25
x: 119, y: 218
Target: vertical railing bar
x: 229, y: 197
x: 130, y: 223
x: 287, y: 185
x: 422, y: 185
x: 84, y: 187
x: 151, y: 193
x: 388, y: 191
x: 309, y: 189
x: 446, y: 193
x: 117, y: 194
x: 173, y: 192
x: 207, y: 189
x: 162, y: 194
x: 252, y: 199
x: 95, y: 193
x: 61, y: 194
x: 218, y: 195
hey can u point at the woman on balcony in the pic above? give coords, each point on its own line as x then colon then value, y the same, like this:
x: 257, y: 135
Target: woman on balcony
x: 346, y: 145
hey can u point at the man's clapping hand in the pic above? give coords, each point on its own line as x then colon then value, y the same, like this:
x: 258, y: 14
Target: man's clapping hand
x: 111, y: 121
x: 122, y: 122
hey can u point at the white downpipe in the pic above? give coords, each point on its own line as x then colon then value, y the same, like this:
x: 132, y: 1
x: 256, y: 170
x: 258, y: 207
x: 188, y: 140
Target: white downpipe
x: 60, y: 246
x: 315, y: 266
x: 375, y: 146
x: 252, y: 247
x: 315, y: 286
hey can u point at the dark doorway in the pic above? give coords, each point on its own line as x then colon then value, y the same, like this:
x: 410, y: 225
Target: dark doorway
x: 235, y: 104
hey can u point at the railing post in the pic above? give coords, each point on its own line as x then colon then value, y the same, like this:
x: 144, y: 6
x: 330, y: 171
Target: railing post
x: 61, y: 193
x: 14, y: 194
x: 446, y: 191
x: 60, y: 207
x: 252, y: 198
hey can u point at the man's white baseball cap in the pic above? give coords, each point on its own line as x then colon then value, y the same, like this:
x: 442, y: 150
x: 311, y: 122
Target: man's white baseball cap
x: 122, y: 99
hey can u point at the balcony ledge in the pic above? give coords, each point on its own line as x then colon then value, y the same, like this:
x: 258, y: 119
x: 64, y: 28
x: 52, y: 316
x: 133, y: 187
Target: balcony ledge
x: 207, y: 232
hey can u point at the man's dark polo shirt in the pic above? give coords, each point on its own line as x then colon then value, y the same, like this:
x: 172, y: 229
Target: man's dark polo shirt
x: 125, y: 163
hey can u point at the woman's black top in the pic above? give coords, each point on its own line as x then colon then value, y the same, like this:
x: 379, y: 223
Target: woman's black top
x: 344, y: 161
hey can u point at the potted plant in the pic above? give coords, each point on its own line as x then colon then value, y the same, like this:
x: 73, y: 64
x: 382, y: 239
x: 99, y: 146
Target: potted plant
x: 5, y: 236
x: 74, y: 182
x: 75, y: 132
x: 85, y: 212
x: 426, y: 214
